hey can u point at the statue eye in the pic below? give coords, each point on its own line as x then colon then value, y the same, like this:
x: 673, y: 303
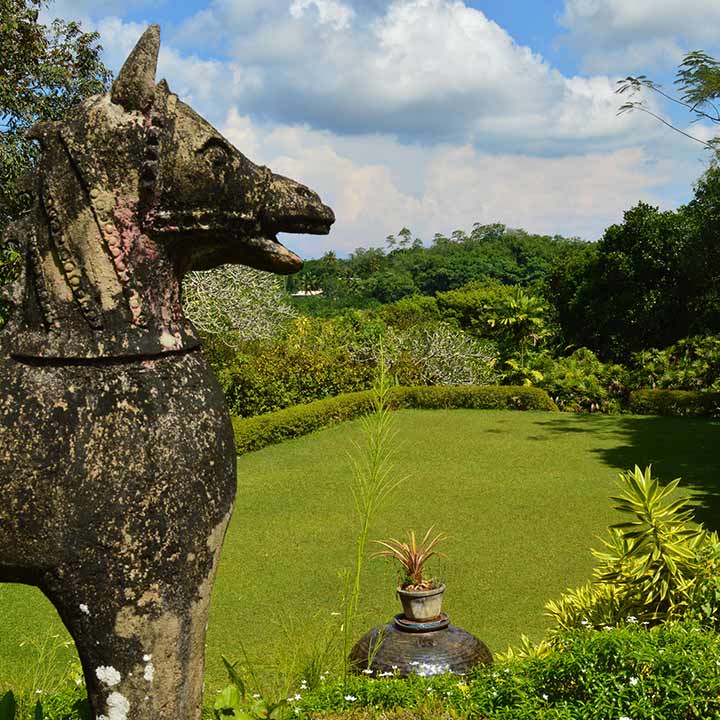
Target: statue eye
x: 216, y: 153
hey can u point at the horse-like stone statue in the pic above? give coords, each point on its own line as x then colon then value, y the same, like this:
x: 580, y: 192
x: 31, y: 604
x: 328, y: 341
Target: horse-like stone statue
x: 117, y: 462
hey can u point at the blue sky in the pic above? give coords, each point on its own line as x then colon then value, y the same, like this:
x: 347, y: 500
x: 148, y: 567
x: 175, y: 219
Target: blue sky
x: 435, y: 114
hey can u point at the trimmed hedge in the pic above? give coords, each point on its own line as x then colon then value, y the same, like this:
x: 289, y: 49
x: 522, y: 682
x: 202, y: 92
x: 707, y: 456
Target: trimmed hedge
x: 675, y: 402
x: 257, y: 432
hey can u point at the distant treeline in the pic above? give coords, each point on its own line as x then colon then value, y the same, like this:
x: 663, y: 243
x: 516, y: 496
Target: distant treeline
x: 648, y: 282
x: 407, y: 267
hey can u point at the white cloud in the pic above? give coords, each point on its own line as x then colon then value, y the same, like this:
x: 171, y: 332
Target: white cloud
x: 454, y: 186
x: 622, y: 36
x: 330, y: 12
x: 422, y: 70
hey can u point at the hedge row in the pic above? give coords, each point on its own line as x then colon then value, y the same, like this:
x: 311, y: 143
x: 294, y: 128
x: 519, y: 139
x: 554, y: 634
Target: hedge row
x: 675, y: 402
x: 257, y: 432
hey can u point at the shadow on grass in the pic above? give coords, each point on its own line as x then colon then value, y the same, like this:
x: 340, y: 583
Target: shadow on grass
x: 676, y: 447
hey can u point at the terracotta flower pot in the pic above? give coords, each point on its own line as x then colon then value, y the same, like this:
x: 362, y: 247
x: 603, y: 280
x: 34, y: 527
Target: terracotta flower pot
x: 421, y: 605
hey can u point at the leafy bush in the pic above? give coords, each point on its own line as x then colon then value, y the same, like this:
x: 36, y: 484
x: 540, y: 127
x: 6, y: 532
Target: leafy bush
x: 675, y: 402
x: 627, y: 672
x: 319, y: 358
x: 689, y: 364
x: 653, y: 567
x: 669, y: 671
x: 439, y: 354
x: 315, y: 359
x: 410, y: 311
x: 257, y: 432
x: 581, y: 382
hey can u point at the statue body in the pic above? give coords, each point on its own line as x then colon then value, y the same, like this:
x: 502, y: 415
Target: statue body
x: 117, y: 461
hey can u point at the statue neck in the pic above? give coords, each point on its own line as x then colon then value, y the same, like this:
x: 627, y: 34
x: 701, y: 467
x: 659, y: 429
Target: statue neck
x: 96, y: 287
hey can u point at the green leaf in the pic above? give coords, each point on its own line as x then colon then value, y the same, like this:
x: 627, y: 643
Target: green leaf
x: 228, y: 699
x: 234, y: 676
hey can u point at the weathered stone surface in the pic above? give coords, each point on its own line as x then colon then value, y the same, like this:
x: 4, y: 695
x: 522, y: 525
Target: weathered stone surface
x: 117, y: 465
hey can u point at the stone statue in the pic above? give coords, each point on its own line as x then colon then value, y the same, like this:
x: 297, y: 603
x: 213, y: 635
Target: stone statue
x: 117, y: 463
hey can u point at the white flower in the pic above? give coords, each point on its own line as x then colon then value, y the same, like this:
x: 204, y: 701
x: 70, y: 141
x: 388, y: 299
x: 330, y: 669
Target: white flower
x: 632, y: 619
x: 608, y: 627
x: 297, y: 696
x: 633, y: 681
x: 256, y: 695
x: 350, y: 698
x: 84, y: 609
x: 624, y: 717
x: 367, y: 671
x: 303, y: 684
x: 544, y: 696
x: 385, y: 674
x: 584, y: 622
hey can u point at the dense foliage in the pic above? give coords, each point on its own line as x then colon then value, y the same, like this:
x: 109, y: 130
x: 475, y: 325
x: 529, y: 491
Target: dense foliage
x: 408, y: 267
x: 314, y: 358
x: 679, y: 403
x: 626, y: 672
x: 651, y: 281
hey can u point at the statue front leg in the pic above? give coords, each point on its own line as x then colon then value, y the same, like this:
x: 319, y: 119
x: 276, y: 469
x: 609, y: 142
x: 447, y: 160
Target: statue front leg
x: 141, y: 644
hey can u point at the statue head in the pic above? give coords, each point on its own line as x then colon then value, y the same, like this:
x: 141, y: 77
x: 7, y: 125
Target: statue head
x: 134, y: 190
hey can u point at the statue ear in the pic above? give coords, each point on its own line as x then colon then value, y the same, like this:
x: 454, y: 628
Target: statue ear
x: 134, y: 87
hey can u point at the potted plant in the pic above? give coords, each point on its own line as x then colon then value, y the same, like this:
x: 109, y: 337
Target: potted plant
x: 421, y: 597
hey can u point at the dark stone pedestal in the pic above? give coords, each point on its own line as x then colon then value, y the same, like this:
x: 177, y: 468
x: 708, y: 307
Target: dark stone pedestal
x: 426, y: 649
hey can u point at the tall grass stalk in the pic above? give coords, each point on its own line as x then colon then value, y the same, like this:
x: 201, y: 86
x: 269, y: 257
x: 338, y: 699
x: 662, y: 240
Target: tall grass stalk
x: 373, y: 482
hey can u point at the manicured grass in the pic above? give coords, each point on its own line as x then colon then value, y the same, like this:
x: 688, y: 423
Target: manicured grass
x: 522, y: 494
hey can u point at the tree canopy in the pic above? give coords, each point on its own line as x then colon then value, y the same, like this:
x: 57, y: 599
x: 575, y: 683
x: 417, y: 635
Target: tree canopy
x: 407, y: 267
x: 652, y: 279
x: 698, y: 83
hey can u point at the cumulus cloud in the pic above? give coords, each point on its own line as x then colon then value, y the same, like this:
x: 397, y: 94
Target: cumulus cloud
x: 421, y: 70
x: 329, y: 12
x: 616, y: 35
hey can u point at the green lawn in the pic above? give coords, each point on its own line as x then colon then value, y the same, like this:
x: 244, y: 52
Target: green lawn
x: 523, y: 496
